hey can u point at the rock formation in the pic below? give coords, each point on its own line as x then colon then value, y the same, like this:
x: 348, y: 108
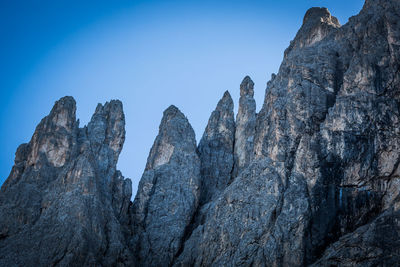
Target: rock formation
x: 313, y: 178
x: 64, y: 202
x: 245, y: 126
x: 168, y: 193
x: 216, y: 149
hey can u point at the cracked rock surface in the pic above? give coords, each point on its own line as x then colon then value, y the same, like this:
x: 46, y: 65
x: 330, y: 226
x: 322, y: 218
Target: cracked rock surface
x: 313, y: 178
x: 64, y: 202
x: 327, y: 137
x: 245, y: 126
x: 216, y: 149
x: 168, y: 193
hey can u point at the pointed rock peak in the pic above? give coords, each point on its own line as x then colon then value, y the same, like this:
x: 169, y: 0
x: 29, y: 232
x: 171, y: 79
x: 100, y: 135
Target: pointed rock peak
x: 226, y: 102
x: 111, y: 111
x: 227, y: 96
x: 172, y: 111
x: 247, y: 87
x: 320, y: 14
x: 175, y: 131
x: 168, y: 192
x: 63, y: 113
x: 318, y: 23
x: 245, y: 126
x: 107, y: 127
x: 174, y: 121
x: 221, y: 119
x: 54, y: 135
x: 216, y: 149
x: 65, y: 102
x: 113, y: 107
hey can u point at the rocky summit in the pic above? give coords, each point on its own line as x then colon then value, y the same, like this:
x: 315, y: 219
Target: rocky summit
x: 313, y: 178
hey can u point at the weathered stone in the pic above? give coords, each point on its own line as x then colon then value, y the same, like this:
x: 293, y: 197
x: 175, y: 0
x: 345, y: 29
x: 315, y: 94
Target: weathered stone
x: 235, y: 228
x: 329, y: 129
x: 216, y: 149
x: 313, y: 178
x: 374, y: 244
x: 64, y: 203
x: 245, y: 126
x: 168, y: 193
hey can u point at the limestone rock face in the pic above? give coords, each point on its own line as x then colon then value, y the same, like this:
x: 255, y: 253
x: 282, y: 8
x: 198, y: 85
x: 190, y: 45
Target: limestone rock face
x: 245, y: 126
x: 317, y: 24
x: 374, y: 244
x: 234, y: 230
x: 328, y: 134
x: 313, y: 178
x: 64, y: 202
x: 216, y: 149
x: 168, y: 193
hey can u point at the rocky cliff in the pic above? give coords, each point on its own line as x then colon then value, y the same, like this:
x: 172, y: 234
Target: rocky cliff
x: 64, y: 202
x: 311, y: 179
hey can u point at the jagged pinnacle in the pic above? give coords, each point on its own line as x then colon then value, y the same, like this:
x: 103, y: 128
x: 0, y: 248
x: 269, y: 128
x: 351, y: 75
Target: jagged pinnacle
x: 320, y: 14
x: 247, y: 87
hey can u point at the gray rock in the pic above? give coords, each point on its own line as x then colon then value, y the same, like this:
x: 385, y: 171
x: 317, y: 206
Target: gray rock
x: 329, y: 130
x: 168, y: 193
x: 374, y: 244
x: 313, y: 178
x: 245, y: 126
x: 235, y: 229
x: 64, y: 203
x: 216, y: 149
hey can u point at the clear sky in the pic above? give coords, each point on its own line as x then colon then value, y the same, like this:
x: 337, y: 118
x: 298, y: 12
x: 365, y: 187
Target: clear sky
x: 149, y: 54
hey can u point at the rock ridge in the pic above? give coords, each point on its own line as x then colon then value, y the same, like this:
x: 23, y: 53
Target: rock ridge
x: 312, y: 179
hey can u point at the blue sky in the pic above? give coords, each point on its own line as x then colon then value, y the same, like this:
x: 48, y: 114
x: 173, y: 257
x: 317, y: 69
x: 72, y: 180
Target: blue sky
x: 149, y: 54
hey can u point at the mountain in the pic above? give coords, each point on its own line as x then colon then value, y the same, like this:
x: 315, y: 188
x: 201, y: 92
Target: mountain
x: 313, y: 178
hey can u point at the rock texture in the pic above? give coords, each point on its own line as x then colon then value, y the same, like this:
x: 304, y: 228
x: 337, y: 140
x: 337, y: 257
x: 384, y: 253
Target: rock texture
x: 216, y: 149
x: 64, y: 202
x: 245, y: 126
x: 327, y: 135
x: 374, y: 244
x: 168, y: 193
x: 313, y: 178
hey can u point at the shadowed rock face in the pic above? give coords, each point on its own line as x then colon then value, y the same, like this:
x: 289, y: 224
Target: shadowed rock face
x: 168, y: 193
x: 64, y: 203
x: 245, y: 126
x: 312, y: 179
x: 216, y: 149
x: 328, y: 129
